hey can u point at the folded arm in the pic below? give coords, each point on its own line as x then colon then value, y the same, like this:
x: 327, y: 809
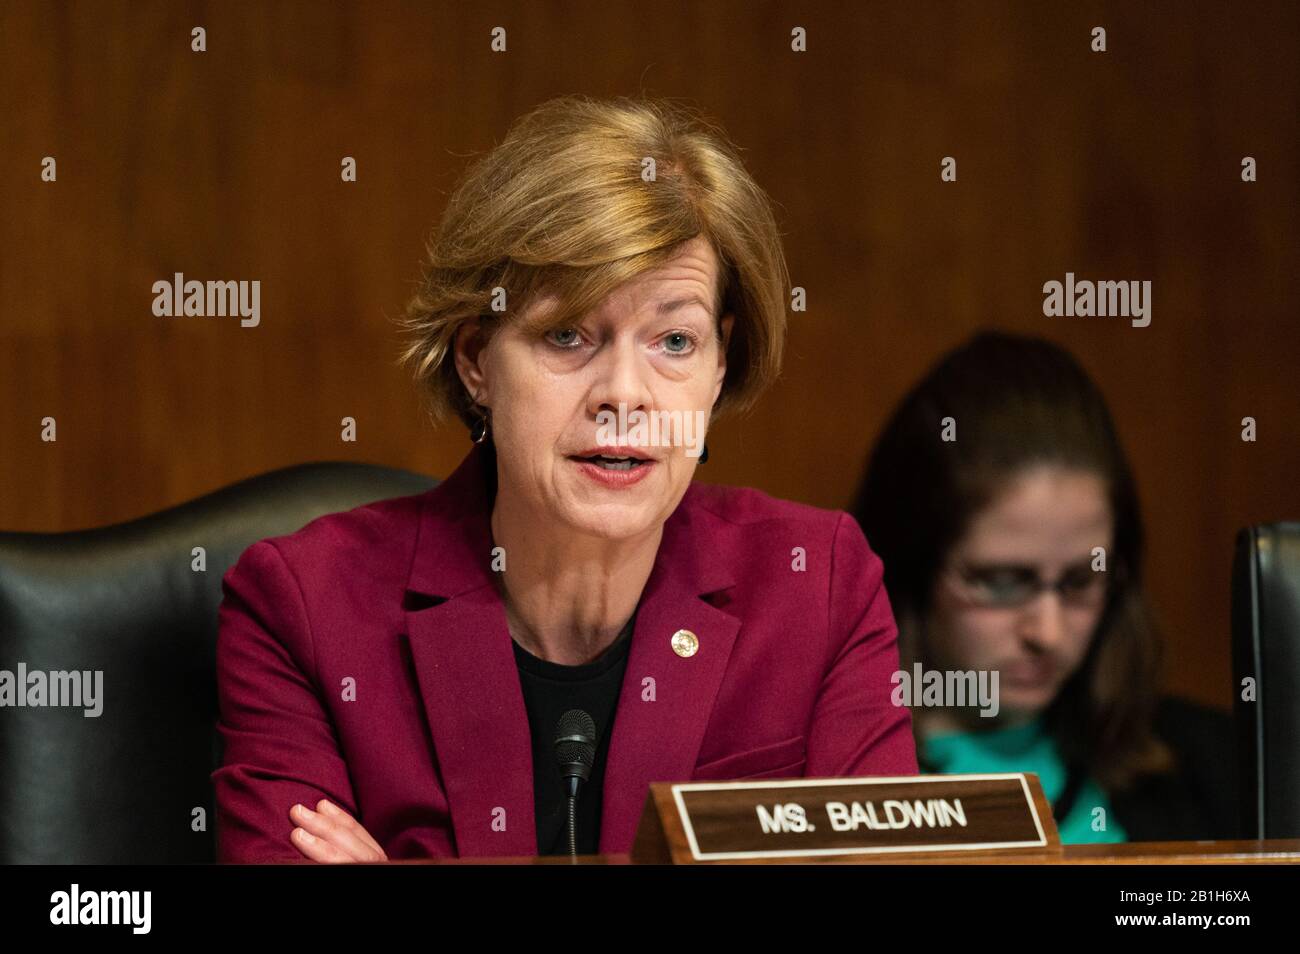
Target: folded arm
x: 280, y: 745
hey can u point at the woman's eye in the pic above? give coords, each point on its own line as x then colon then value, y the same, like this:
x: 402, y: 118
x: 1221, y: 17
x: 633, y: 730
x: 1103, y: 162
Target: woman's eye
x: 678, y: 343
x: 1081, y: 581
x: 1001, y: 585
x: 563, y: 338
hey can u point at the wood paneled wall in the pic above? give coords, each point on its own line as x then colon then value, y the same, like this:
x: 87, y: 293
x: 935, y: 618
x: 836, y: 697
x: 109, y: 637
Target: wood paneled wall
x: 225, y: 165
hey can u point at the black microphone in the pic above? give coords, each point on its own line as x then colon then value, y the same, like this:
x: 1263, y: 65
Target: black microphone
x: 575, y: 751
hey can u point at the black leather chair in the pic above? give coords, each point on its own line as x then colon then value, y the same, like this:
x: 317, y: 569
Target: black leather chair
x: 1266, y: 647
x: 127, y: 786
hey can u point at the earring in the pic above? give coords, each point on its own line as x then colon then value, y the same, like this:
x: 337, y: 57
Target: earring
x: 704, y: 455
x: 478, y: 433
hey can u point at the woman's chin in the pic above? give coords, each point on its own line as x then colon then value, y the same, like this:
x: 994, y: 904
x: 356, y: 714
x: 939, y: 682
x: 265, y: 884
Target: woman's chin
x: 615, y: 522
x: 1026, y: 701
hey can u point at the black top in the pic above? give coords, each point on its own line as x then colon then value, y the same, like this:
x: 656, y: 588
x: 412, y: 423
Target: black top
x: 550, y: 690
x: 1200, y: 798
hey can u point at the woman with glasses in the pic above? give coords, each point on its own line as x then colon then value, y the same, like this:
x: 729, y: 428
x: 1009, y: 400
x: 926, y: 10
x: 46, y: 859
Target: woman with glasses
x: 1006, y: 514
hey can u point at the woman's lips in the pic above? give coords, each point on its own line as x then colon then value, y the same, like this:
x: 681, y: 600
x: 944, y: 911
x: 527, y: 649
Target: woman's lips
x: 616, y: 479
x: 1027, y: 674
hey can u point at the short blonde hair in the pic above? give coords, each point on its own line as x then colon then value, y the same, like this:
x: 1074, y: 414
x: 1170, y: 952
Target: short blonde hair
x: 561, y: 206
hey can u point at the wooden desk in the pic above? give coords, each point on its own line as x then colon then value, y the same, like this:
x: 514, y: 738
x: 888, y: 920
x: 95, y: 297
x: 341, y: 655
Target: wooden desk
x: 1279, y: 851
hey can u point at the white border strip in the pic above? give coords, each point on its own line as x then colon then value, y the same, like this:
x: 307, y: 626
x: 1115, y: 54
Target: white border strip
x: 684, y: 815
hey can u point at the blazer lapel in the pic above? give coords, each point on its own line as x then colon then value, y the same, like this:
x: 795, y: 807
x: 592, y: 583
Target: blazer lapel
x: 663, y: 708
x: 466, y: 671
x: 470, y: 686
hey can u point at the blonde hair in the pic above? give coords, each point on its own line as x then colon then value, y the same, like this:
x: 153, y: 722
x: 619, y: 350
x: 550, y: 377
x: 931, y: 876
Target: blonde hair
x: 561, y: 206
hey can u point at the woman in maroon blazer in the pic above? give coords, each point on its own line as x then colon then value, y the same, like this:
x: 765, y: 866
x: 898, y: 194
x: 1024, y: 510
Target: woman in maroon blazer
x: 393, y: 679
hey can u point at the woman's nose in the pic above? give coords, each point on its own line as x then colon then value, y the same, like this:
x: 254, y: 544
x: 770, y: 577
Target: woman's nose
x: 1044, y: 621
x: 620, y: 379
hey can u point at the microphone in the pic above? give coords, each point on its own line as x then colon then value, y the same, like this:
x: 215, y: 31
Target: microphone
x: 575, y: 751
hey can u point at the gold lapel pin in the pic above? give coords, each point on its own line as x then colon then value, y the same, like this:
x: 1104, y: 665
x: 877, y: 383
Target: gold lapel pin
x: 685, y: 643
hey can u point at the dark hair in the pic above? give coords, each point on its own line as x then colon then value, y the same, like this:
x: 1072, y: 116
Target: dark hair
x: 1019, y: 401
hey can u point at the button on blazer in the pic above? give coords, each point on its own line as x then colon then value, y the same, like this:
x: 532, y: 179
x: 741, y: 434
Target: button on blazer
x: 366, y: 659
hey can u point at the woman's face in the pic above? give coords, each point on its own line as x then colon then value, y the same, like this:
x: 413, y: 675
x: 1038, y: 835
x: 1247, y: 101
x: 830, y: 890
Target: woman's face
x: 651, y: 346
x: 1044, y: 525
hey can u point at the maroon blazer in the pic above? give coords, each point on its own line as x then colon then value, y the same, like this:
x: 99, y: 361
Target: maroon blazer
x: 366, y: 659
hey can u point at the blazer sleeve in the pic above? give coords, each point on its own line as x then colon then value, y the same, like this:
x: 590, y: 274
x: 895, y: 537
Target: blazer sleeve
x: 279, y: 745
x: 856, y: 729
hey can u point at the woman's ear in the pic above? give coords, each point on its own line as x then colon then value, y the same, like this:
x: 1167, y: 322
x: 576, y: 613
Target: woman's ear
x: 468, y: 349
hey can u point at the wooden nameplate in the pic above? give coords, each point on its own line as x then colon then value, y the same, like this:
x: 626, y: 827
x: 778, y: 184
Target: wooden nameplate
x: 807, y: 819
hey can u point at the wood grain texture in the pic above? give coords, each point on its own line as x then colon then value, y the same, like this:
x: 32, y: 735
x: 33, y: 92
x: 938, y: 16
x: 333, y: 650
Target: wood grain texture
x: 225, y: 165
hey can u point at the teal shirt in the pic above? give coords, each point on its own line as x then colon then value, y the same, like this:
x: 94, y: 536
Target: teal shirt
x: 1025, y: 748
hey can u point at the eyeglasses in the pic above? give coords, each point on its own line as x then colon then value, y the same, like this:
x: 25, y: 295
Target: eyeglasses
x: 1008, y: 586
